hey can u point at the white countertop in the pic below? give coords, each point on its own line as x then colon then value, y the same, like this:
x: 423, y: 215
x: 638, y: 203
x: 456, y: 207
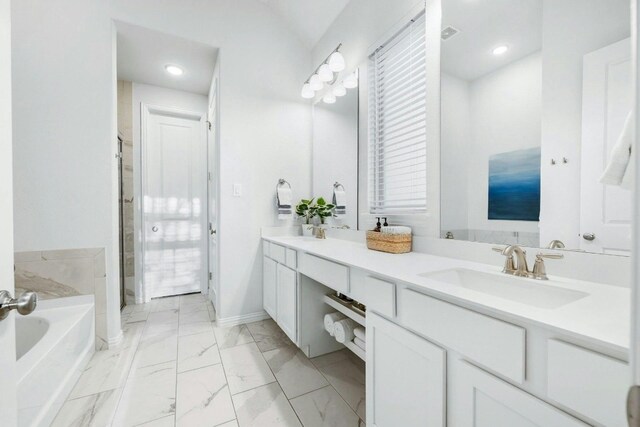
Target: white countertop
x: 602, y: 317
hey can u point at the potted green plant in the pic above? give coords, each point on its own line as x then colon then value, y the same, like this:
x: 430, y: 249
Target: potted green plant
x: 324, y: 210
x: 306, y: 211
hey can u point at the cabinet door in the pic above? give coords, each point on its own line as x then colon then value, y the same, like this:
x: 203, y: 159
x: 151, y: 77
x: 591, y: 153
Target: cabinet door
x: 287, y: 297
x: 479, y: 399
x: 405, y: 377
x: 269, y: 281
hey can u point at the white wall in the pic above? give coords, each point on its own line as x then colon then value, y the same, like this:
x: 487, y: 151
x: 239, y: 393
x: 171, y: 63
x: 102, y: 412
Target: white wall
x: 65, y: 88
x: 505, y: 116
x: 153, y: 95
x: 456, y: 139
x: 571, y: 28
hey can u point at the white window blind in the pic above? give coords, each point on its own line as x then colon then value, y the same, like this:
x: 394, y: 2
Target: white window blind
x: 397, y: 123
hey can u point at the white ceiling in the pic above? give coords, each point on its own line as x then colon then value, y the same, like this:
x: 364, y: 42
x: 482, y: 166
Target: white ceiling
x: 484, y: 25
x: 309, y: 19
x: 143, y: 54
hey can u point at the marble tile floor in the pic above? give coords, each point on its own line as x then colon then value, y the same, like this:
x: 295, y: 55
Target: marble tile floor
x: 176, y: 367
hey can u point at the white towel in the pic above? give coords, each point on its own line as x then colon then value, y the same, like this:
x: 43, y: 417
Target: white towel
x: 330, y: 319
x: 284, y: 196
x: 360, y: 343
x: 396, y: 229
x: 621, y: 167
x: 343, y: 330
x: 340, y: 200
x: 360, y: 333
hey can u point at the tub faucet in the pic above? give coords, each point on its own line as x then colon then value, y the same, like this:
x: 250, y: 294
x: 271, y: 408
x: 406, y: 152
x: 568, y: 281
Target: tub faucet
x: 25, y: 303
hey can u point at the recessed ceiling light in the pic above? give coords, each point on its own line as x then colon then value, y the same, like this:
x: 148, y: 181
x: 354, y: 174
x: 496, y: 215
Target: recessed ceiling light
x: 500, y: 50
x: 174, y: 70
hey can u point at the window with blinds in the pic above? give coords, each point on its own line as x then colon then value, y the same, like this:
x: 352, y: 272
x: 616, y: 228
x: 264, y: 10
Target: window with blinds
x: 397, y: 123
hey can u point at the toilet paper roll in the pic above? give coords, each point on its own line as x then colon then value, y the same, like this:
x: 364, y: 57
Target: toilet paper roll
x: 330, y: 319
x: 343, y: 330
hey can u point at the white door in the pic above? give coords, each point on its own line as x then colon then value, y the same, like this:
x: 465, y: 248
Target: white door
x: 605, y: 222
x: 8, y: 404
x: 174, y: 192
x: 479, y: 399
x: 269, y: 285
x: 286, y: 305
x: 405, y: 377
x: 212, y: 148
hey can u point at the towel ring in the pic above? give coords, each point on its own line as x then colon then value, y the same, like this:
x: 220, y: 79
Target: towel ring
x: 282, y: 182
x: 337, y: 186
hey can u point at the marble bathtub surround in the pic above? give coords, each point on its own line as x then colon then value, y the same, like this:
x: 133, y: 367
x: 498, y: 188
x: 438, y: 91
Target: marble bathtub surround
x: 65, y: 273
x: 167, y: 373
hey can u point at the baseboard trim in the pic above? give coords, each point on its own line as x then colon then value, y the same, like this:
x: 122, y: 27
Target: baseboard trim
x: 245, y: 318
x: 114, y: 341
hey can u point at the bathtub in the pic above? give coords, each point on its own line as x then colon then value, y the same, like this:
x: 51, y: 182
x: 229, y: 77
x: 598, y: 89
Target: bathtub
x: 53, y: 346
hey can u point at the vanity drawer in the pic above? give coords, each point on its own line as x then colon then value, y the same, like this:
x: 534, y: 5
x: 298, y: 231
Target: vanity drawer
x: 377, y: 294
x: 265, y: 248
x: 590, y: 383
x: 277, y: 253
x: 291, y: 257
x: 329, y: 273
x: 492, y: 343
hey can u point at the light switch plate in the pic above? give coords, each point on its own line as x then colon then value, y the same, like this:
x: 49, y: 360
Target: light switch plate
x: 237, y: 190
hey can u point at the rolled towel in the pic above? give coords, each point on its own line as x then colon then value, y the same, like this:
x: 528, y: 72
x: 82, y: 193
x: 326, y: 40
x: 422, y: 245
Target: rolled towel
x: 360, y: 343
x: 343, y: 330
x: 359, y: 332
x: 396, y: 229
x: 330, y: 319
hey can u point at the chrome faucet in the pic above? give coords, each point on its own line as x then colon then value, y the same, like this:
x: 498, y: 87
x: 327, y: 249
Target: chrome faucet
x: 522, y: 270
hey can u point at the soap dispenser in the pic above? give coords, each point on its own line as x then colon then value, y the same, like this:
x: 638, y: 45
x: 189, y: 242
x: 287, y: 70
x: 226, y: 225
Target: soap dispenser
x: 378, y: 225
x: 386, y: 224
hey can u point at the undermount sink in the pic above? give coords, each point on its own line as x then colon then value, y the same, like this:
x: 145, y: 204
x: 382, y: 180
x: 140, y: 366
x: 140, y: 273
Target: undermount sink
x: 517, y: 289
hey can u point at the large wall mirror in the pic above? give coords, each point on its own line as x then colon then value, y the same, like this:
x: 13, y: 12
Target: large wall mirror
x: 535, y: 94
x: 335, y: 155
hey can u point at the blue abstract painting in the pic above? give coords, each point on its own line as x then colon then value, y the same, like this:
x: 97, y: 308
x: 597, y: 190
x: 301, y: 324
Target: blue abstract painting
x: 514, y: 185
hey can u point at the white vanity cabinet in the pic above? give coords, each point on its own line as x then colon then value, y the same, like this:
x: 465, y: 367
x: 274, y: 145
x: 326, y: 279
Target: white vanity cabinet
x: 286, y: 301
x: 479, y: 399
x: 406, y: 377
x: 279, y: 288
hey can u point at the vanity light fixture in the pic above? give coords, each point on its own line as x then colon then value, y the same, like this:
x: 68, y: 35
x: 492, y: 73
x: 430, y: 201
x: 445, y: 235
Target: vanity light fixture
x: 500, y: 50
x: 329, y: 98
x: 325, y: 73
x: 174, y: 70
x: 307, y: 92
x: 351, y: 81
x: 339, y: 90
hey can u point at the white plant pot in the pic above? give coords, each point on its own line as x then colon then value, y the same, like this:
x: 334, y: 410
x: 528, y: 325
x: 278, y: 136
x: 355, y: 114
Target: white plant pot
x: 307, y: 229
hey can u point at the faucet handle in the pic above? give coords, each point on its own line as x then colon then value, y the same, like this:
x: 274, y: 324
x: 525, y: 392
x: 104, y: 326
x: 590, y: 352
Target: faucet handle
x: 539, y: 269
x: 509, y: 264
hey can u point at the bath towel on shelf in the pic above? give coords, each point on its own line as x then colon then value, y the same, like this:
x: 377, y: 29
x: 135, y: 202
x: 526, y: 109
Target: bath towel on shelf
x: 284, y: 196
x: 360, y: 333
x: 330, y: 319
x: 340, y: 200
x: 621, y: 167
x: 360, y: 343
x: 343, y: 330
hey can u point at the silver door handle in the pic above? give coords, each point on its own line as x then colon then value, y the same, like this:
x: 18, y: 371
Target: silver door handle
x: 25, y: 303
x: 154, y: 229
x: 589, y: 236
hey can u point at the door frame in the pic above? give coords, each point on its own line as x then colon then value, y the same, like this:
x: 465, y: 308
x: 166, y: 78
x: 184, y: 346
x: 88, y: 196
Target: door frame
x: 146, y: 109
x: 213, y: 184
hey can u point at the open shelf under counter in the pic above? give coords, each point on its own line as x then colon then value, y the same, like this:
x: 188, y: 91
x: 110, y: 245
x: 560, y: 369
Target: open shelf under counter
x: 346, y: 308
x: 357, y: 350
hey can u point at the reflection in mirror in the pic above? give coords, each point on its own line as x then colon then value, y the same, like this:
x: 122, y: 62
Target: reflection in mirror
x: 335, y: 156
x: 535, y: 94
